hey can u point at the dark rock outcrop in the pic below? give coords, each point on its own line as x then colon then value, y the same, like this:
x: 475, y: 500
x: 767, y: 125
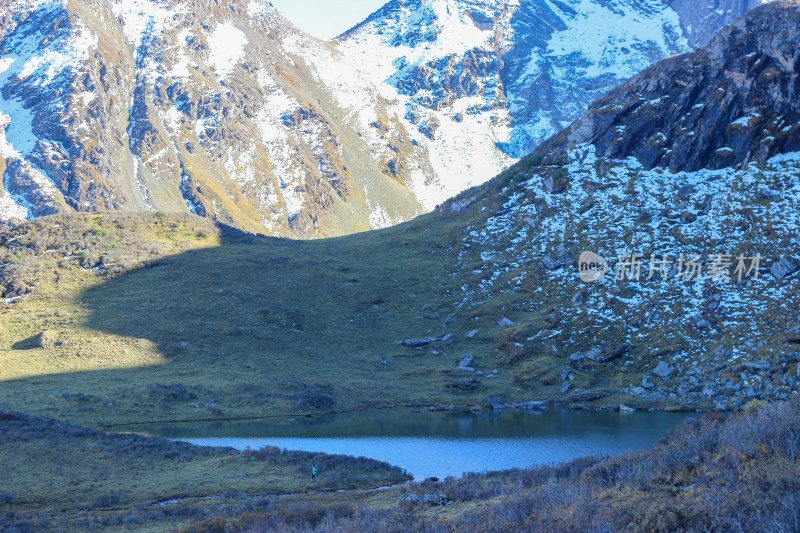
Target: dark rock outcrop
x: 733, y: 102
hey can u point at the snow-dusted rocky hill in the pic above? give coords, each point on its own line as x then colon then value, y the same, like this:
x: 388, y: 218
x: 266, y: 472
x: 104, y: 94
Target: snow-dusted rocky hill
x: 698, y: 290
x: 226, y: 109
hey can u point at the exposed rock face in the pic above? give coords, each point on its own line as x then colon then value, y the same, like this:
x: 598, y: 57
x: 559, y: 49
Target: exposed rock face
x: 221, y: 108
x: 225, y: 109
x: 510, y: 74
x: 706, y: 109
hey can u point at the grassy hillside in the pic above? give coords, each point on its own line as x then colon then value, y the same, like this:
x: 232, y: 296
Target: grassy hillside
x: 53, y: 472
x: 144, y: 317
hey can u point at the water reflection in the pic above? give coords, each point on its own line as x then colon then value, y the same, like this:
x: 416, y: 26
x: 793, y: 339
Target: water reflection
x: 441, y: 444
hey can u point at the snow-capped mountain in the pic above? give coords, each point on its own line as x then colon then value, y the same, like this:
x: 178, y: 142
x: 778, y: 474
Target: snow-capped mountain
x: 507, y: 75
x: 226, y: 109
x: 221, y: 108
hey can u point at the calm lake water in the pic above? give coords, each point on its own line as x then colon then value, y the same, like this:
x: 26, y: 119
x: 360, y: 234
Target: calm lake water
x: 442, y: 444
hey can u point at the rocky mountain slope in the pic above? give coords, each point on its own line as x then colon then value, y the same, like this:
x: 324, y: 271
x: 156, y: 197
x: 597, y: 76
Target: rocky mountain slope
x: 224, y: 109
x: 501, y: 77
x: 686, y: 181
x: 227, y: 110
x: 733, y: 103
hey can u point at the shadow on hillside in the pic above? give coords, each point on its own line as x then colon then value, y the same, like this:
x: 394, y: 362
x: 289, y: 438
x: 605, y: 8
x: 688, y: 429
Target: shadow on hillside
x: 271, y: 296
x: 257, y: 324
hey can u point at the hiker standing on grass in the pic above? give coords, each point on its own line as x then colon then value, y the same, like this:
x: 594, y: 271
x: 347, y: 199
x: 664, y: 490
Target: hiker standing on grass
x: 313, y: 472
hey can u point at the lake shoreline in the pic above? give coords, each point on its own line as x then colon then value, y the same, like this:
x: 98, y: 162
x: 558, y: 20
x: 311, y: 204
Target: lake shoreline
x: 469, y: 407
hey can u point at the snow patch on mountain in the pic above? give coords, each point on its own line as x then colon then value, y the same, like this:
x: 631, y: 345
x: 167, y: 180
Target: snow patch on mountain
x: 227, y: 43
x: 598, y: 33
x: 140, y: 18
x: 493, y: 79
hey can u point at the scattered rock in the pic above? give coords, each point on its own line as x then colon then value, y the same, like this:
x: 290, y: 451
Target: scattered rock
x: 686, y: 191
x: 637, y: 391
x: 463, y: 364
x: 496, y: 404
x: 530, y: 406
x: 555, y: 185
x: 594, y: 354
x: 504, y: 322
x: 758, y: 365
x: 565, y: 387
x: 625, y: 408
x: 663, y: 370
x: 611, y: 351
x: 784, y: 268
x: 688, y: 218
x: 602, y: 354
x: 45, y: 339
x: 447, y: 338
x: 588, y: 396
x: 768, y: 194
x: 578, y: 298
x: 462, y: 205
x: 550, y: 263
x: 702, y: 324
x: 419, y: 343
x: 471, y: 334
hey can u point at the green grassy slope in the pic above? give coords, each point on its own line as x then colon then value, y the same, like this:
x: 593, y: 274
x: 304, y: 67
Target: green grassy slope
x: 53, y: 472
x: 135, y: 317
